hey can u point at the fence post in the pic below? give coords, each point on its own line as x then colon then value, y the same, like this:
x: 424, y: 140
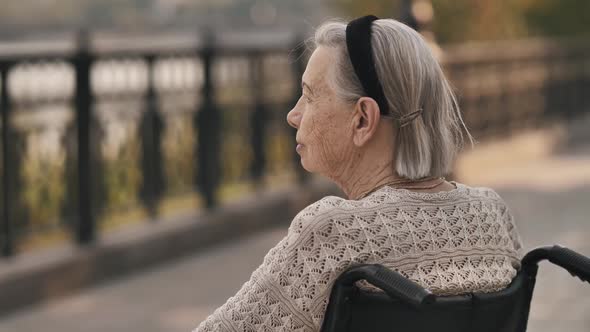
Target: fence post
x: 577, y: 98
x: 418, y: 14
x: 208, y: 122
x: 298, y: 69
x: 6, y: 234
x: 83, y: 62
x: 258, y: 119
x: 549, y: 91
x: 585, y: 83
x: 151, y: 128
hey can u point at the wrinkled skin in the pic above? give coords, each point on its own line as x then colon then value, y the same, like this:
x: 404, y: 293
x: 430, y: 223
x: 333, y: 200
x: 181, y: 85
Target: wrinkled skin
x: 350, y: 143
x: 346, y: 142
x: 324, y: 122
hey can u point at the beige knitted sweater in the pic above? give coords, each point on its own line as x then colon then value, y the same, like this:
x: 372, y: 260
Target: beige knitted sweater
x: 450, y: 242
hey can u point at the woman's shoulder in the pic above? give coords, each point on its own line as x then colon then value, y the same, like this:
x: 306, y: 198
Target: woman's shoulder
x: 328, y: 211
x: 482, y: 193
x: 322, y: 209
x: 461, y: 192
x: 331, y: 208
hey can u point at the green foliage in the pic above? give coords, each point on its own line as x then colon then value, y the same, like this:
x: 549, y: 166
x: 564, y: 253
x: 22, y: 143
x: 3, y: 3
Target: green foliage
x: 122, y: 176
x: 467, y: 20
x: 354, y: 8
x: 458, y: 21
x: 279, y: 148
x: 236, y: 150
x: 178, y: 149
x: 559, y: 17
x: 43, y: 190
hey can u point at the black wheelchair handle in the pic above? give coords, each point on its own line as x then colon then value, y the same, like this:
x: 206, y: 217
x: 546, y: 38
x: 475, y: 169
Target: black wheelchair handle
x: 391, y: 282
x: 396, y: 285
x: 575, y: 263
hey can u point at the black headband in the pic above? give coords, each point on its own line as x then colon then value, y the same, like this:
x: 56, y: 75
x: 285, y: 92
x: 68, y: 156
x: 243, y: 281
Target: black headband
x: 358, y: 42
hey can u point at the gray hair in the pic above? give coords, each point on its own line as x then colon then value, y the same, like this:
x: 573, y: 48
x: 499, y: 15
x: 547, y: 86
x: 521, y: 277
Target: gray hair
x: 412, y: 79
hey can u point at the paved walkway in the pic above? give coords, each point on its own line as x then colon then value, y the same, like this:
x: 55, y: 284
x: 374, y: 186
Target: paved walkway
x: 550, y: 198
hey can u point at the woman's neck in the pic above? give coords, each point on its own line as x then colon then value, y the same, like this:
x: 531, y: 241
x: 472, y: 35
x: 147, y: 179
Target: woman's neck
x: 358, y: 184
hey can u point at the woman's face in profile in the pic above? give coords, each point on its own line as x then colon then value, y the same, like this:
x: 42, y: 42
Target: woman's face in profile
x: 323, y: 121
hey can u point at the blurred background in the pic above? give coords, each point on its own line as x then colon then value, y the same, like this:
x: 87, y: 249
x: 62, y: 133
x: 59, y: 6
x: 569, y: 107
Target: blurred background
x: 145, y: 153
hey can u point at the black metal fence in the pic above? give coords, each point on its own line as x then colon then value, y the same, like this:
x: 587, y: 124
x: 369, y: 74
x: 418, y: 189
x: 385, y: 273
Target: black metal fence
x: 204, y: 98
x: 505, y: 87
x: 96, y: 123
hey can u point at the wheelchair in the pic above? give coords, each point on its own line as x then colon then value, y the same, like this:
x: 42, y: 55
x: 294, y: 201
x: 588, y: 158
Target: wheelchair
x: 404, y: 306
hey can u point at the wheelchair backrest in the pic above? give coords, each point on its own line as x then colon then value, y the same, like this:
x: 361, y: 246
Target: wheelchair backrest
x: 405, y: 306
x: 369, y: 311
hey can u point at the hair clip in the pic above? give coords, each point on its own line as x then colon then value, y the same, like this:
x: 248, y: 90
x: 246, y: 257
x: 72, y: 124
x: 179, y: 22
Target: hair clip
x: 408, y: 118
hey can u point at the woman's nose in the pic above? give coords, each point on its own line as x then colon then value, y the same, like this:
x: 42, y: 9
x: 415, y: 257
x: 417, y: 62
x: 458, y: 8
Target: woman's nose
x: 293, y: 118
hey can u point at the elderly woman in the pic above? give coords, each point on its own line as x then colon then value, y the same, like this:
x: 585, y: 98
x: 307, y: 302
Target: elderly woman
x: 378, y: 118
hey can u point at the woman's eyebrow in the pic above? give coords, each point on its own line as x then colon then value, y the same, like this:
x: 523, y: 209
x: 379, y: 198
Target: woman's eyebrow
x: 305, y: 85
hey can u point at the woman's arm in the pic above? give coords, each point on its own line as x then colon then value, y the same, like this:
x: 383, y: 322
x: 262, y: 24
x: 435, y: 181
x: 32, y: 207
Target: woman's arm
x: 283, y: 291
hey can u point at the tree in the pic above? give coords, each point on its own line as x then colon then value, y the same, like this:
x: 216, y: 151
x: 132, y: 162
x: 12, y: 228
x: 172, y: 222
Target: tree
x: 457, y: 21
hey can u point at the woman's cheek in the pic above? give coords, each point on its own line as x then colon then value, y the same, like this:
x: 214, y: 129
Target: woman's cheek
x: 322, y: 154
x: 306, y: 136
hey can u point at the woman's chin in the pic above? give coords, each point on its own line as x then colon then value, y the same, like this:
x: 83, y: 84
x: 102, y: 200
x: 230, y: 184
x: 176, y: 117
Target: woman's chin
x: 306, y: 165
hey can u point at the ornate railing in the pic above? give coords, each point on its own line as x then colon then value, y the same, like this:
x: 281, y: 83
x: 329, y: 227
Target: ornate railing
x: 513, y: 85
x: 97, y: 128
x: 96, y: 125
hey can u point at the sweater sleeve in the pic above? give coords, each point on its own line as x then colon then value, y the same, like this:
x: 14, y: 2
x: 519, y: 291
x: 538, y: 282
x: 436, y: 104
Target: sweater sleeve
x: 509, y: 223
x: 285, y: 292
x: 462, y: 246
x: 513, y: 232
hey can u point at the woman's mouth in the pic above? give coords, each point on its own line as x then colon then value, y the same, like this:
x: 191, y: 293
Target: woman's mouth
x: 299, y: 147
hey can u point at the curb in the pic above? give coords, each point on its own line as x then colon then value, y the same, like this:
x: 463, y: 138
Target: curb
x: 37, y: 277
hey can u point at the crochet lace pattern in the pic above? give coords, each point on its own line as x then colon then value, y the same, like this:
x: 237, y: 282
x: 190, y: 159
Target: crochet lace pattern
x: 453, y: 242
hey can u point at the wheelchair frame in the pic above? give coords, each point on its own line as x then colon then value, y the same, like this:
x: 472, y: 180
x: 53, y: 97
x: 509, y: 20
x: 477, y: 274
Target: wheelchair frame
x: 407, y: 306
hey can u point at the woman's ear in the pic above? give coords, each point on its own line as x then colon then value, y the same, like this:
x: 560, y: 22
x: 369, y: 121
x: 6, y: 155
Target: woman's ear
x: 365, y: 120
